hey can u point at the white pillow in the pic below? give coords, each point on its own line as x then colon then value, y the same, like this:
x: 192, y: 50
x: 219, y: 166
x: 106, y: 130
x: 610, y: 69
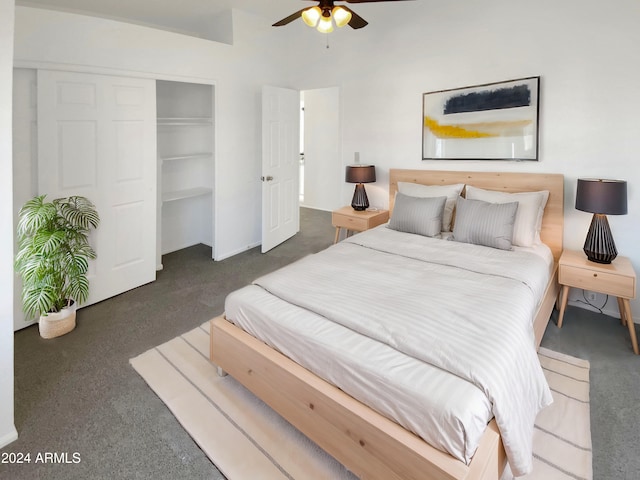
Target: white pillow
x: 526, y: 230
x: 452, y: 192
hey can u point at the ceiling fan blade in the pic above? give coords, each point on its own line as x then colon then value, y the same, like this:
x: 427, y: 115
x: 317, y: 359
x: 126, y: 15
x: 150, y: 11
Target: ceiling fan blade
x: 289, y: 19
x: 356, y: 20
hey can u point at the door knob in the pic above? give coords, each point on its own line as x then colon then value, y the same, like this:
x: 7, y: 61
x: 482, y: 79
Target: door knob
x: 268, y: 178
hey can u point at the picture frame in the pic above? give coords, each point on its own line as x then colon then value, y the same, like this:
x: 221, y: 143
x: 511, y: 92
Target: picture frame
x: 492, y: 121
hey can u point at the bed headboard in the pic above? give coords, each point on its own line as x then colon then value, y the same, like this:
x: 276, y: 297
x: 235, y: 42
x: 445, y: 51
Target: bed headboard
x: 553, y: 219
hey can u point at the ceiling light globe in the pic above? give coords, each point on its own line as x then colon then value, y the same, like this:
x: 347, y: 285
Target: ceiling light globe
x: 311, y: 16
x: 325, y: 25
x: 341, y: 16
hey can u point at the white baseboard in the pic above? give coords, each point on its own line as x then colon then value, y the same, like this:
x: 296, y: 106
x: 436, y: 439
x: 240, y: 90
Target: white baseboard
x: 315, y: 208
x: 8, y: 437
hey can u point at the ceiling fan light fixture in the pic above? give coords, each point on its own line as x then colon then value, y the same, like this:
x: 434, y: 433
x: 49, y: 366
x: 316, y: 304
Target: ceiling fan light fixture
x: 325, y: 25
x: 341, y: 16
x: 311, y: 15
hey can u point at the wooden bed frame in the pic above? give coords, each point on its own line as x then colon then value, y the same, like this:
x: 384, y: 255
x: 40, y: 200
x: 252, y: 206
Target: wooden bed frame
x: 367, y: 443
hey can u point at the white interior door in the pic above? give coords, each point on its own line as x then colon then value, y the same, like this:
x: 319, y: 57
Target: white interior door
x: 97, y: 138
x: 280, y: 167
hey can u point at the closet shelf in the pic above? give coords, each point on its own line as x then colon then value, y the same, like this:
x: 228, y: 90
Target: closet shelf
x: 186, y: 193
x: 184, y: 121
x: 171, y: 158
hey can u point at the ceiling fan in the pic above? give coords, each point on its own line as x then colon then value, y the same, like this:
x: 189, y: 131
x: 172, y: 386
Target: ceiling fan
x: 325, y: 14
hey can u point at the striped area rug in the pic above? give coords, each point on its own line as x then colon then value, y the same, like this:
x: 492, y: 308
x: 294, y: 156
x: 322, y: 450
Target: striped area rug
x: 245, y: 439
x: 562, y: 435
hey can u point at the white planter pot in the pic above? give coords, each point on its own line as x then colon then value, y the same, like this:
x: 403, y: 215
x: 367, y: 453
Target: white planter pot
x: 56, y: 324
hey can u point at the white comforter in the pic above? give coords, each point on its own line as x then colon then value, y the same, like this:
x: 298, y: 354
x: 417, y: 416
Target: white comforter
x: 462, y: 308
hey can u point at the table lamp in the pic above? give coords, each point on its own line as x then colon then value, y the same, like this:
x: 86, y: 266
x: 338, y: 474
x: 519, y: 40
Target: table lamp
x: 360, y: 174
x: 602, y: 198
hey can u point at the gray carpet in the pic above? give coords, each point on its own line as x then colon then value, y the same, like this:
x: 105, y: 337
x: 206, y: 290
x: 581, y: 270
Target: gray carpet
x: 78, y: 393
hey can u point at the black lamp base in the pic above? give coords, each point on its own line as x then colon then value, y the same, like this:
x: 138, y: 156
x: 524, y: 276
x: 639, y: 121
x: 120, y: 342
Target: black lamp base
x: 360, y: 201
x: 599, y: 245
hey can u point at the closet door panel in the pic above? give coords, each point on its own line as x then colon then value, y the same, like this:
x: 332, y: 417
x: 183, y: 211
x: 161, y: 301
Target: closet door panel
x: 97, y: 138
x: 77, y: 142
x: 130, y: 184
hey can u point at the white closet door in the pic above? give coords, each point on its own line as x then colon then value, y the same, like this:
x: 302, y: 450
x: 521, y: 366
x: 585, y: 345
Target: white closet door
x: 280, y: 167
x: 97, y: 138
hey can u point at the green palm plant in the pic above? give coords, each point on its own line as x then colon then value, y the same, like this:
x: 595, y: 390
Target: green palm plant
x: 54, y: 252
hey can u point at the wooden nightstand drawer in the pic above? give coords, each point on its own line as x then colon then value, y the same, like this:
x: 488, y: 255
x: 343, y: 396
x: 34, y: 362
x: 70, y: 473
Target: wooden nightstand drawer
x: 350, y: 222
x: 603, y: 282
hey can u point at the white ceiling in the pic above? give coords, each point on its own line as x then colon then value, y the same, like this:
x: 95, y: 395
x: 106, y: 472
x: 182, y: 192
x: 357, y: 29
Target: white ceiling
x: 184, y: 16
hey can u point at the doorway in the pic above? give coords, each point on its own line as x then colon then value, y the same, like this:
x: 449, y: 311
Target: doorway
x: 320, y: 149
x: 185, y: 146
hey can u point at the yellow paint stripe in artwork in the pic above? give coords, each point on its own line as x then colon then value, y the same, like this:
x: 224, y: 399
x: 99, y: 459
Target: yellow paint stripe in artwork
x: 476, y: 130
x: 452, y: 131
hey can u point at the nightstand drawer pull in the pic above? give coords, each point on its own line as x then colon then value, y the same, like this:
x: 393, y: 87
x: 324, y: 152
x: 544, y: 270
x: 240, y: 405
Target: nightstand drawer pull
x: 595, y: 274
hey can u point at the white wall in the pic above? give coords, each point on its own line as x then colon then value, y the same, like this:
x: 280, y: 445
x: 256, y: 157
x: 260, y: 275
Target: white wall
x: 586, y: 53
x: 7, y: 429
x: 25, y: 179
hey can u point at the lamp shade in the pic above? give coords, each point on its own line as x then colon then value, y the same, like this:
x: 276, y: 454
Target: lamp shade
x: 325, y: 25
x: 360, y: 174
x: 341, y: 16
x: 608, y: 197
x: 311, y: 15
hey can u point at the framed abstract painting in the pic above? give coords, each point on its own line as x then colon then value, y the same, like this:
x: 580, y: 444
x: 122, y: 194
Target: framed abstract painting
x: 494, y: 121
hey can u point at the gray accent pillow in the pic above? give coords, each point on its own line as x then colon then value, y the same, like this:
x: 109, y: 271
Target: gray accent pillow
x: 484, y: 223
x: 422, y: 216
x: 452, y: 192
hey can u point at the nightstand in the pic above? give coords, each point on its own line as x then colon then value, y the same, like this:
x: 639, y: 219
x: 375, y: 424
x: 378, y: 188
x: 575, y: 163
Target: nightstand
x: 357, y: 221
x: 617, y: 279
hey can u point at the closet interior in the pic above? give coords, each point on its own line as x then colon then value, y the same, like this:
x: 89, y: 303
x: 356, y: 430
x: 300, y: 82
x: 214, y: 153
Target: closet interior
x: 185, y: 165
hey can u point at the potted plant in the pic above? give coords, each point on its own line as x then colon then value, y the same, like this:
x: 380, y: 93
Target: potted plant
x: 53, y: 259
